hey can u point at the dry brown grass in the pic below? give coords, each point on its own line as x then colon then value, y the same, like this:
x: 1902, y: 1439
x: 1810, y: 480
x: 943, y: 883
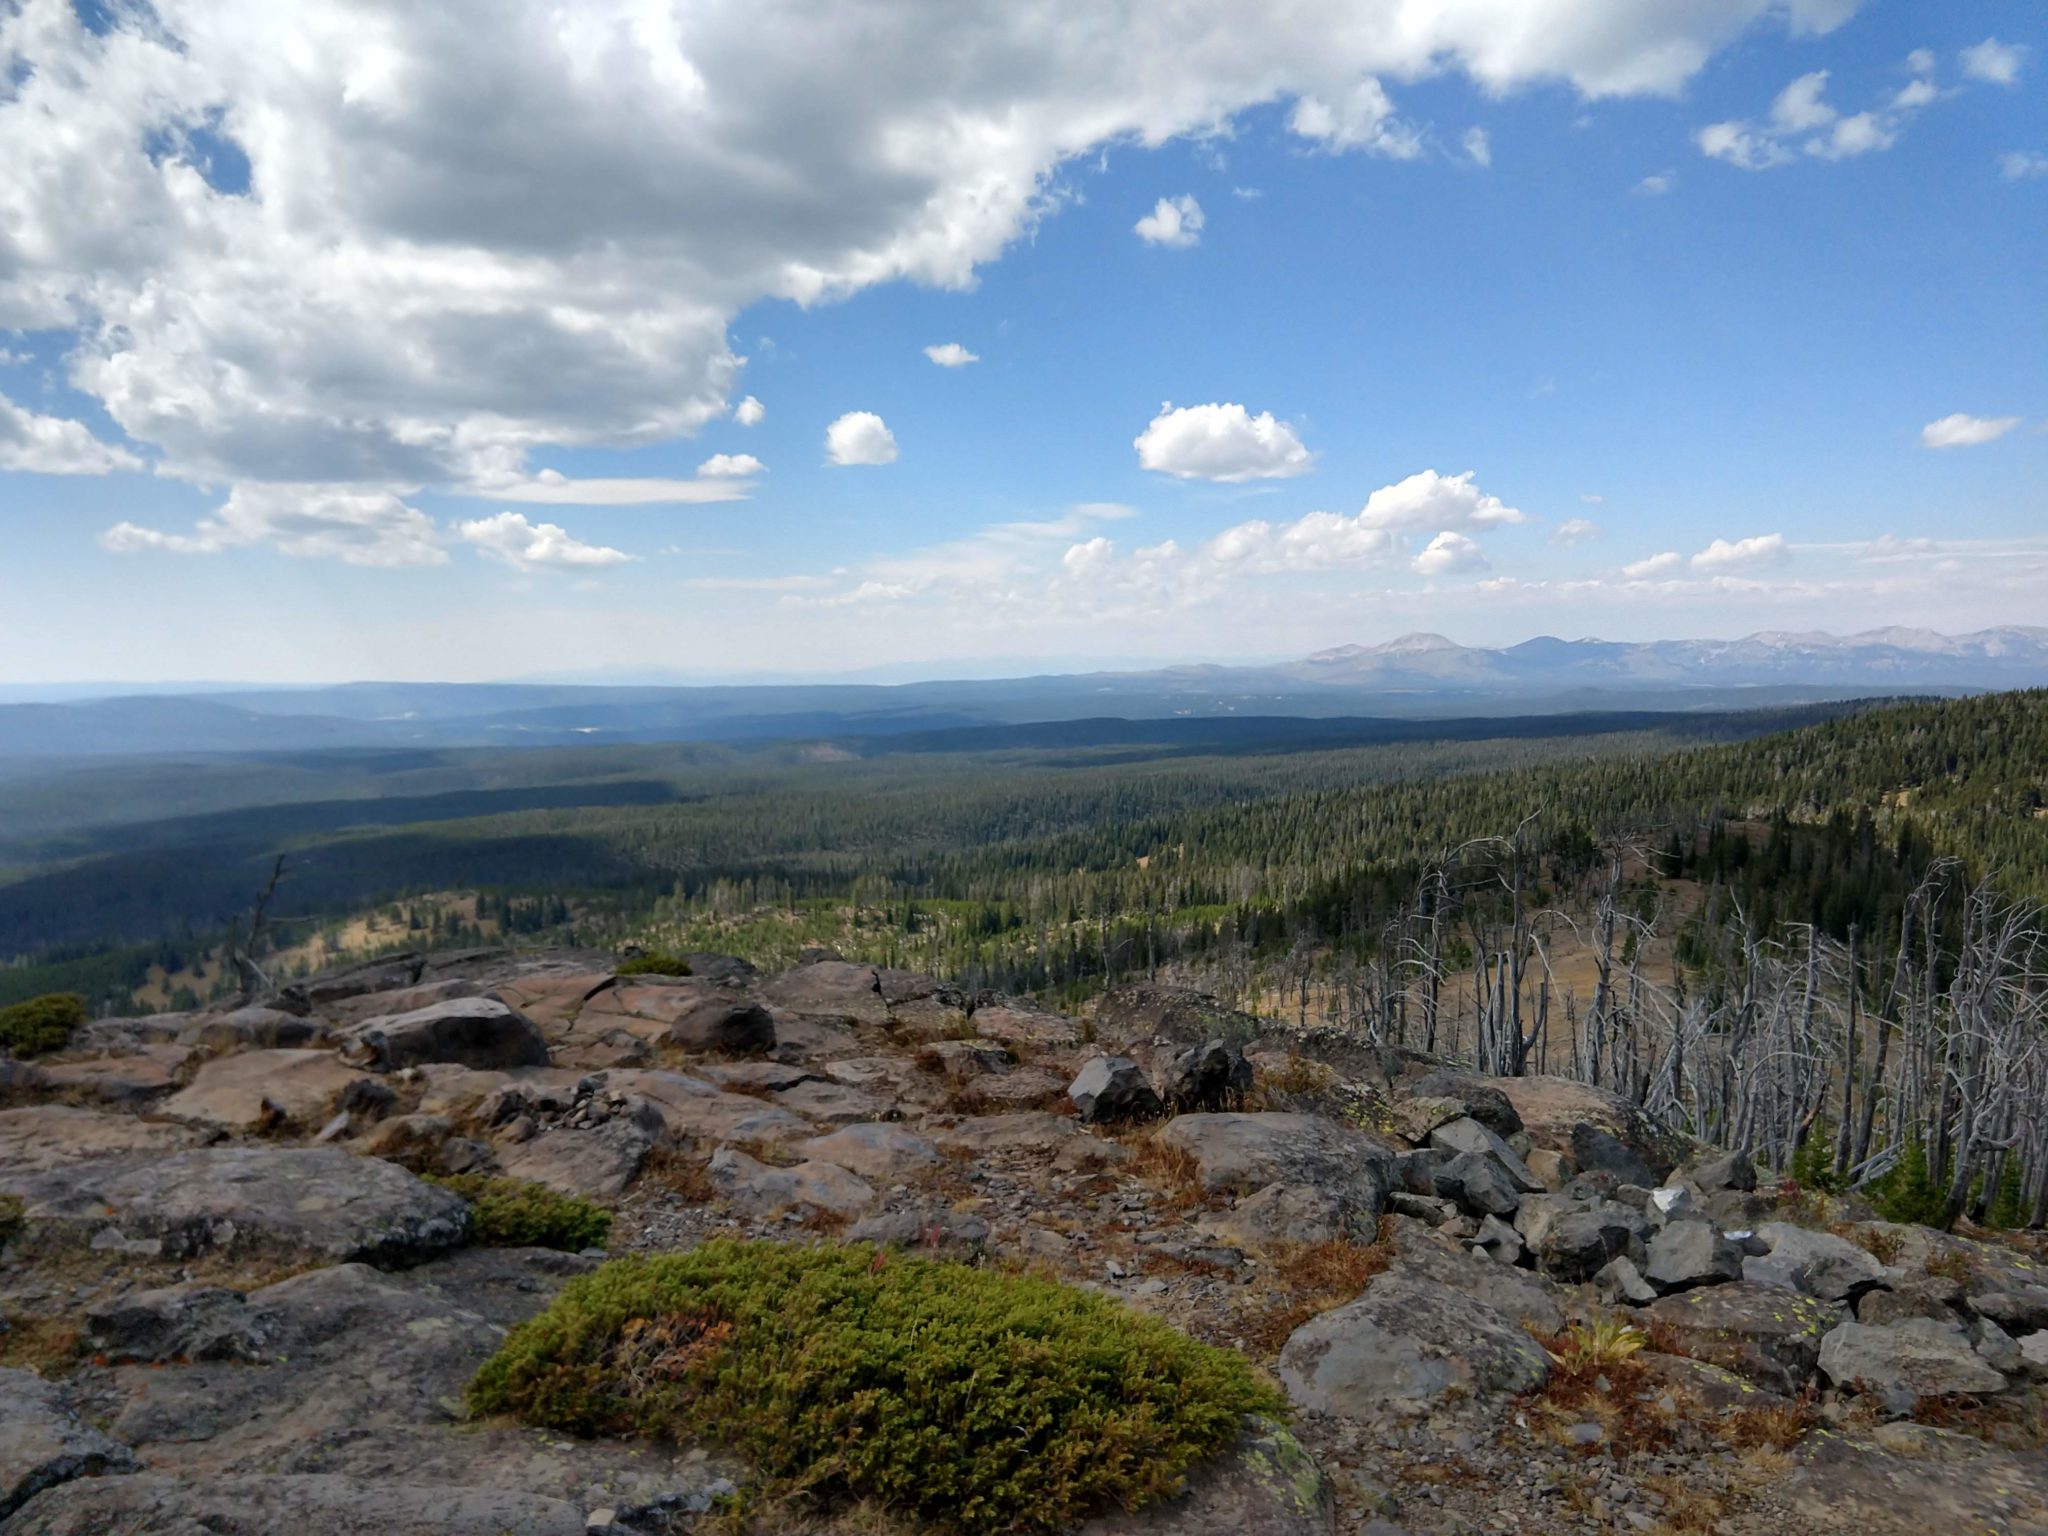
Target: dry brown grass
x: 1171, y: 1169
x: 1598, y: 1376
x: 680, y: 1172
x: 1778, y: 1427
x: 2013, y: 1423
x: 46, y: 1345
x: 1950, y: 1264
x: 1317, y: 1277
x: 1880, y: 1245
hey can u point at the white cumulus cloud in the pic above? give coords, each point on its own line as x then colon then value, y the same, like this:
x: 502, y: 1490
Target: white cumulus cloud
x: 1430, y: 500
x: 1221, y: 442
x: 2023, y: 165
x: 1965, y: 431
x: 509, y: 537
x: 51, y: 445
x: 950, y: 354
x: 1176, y: 222
x: 1727, y: 555
x: 1576, y: 530
x: 730, y: 466
x: 1991, y: 60
x: 320, y: 522
x: 1449, y: 553
x: 1478, y: 148
x: 1669, y: 563
x: 1361, y: 118
x: 749, y: 412
x: 859, y: 437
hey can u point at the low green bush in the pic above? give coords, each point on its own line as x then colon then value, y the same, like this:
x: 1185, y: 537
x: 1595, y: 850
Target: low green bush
x: 42, y: 1023
x: 653, y: 965
x: 972, y: 1399
x: 514, y: 1213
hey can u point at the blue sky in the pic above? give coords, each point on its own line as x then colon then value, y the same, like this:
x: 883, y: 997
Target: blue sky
x: 312, y: 378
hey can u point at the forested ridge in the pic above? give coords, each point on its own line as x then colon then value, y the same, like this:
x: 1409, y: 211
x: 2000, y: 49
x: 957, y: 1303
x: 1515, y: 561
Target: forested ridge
x: 1010, y: 846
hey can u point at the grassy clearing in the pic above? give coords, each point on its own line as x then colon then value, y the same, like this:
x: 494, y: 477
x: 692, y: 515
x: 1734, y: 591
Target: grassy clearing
x: 976, y: 1400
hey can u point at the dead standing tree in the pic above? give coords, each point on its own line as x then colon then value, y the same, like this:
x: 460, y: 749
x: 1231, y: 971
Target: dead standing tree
x: 252, y: 980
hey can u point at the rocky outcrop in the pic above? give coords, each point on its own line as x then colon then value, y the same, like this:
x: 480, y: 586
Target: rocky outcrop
x: 291, y: 1203
x: 262, y: 1089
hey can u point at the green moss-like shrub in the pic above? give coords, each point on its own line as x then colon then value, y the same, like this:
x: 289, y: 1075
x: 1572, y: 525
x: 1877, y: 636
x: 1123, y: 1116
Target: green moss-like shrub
x: 653, y: 965
x: 513, y: 1213
x: 42, y: 1023
x: 973, y: 1399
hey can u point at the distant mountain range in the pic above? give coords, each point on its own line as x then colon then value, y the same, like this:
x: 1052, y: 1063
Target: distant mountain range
x: 1415, y: 676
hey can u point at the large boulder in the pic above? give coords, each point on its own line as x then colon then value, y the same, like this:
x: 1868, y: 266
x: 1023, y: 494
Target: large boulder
x: 42, y: 1136
x: 1480, y: 1098
x: 1812, y: 1263
x: 1240, y: 1154
x: 1479, y: 1185
x: 42, y: 1443
x: 1109, y: 1089
x: 690, y: 1014
x: 2022, y: 1310
x: 1687, y: 1254
x: 295, y: 1204
x: 1278, y: 1216
x: 1210, y: 1076
x: 1552, y: 1109
x: 1470, y: 1137
x: 1573, y: 1240
x: 257, y: 1090
x: 1904, y: 1362
x: 1407, y: 1338
x: 253, y: 1028
x: 476, y: 1032
x: 1539, y: 1305
x: 1768, y: 1335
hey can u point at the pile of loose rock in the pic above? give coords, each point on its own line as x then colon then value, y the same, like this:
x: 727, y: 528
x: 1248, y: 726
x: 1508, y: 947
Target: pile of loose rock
x: 233, y: 1305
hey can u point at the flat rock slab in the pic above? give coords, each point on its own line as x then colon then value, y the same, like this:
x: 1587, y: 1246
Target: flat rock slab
x: 1910, y: 1480
x: 147, y: 1074
x: 476, y: 1032
x: 1033, y: 1026
x: 1407, y: 1338
x: 1242, y: 1153
x: 258, y: 1088
x: 292, y: 1203
x: 43, y: 1444
x: 265, y: 1506
x: 830, y: 989
x: 760, y: 1189
x: 1025, y: 1132
x: 597, y: 1162
x: 1265, y: 1485
x: 44, y: 1136
x: 693, y: 1109
x: 882, y: 1153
